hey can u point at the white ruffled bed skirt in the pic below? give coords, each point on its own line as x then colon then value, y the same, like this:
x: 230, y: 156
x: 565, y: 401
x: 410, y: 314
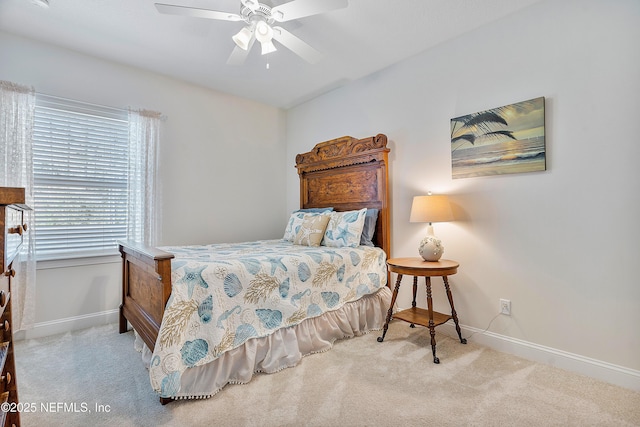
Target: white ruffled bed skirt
x: 282, y: 349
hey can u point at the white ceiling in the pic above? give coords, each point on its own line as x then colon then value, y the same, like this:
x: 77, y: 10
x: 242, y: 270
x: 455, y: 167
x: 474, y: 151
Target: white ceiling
x: 367, y: 36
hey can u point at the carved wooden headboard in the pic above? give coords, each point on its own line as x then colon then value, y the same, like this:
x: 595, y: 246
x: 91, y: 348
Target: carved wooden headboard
x: 349, y: 174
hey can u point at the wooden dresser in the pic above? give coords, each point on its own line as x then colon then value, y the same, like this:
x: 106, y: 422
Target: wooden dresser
x: 13, y: 227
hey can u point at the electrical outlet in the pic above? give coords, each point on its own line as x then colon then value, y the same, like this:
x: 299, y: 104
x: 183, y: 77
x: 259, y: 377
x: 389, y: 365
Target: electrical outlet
x: 505, y: 306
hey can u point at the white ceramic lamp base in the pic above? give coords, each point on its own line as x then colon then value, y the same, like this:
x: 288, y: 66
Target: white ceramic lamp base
x: 431, y: 248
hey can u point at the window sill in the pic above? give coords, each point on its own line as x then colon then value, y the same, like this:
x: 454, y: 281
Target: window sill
x: 45, y: 264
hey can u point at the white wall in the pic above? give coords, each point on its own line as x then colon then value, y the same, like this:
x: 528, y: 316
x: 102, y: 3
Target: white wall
x: 222, y: 160
x: 562, y: 245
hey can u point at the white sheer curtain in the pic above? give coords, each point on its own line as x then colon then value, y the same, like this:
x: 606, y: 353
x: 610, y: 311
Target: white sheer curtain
x: 17, y: 106
x: 144, y: 135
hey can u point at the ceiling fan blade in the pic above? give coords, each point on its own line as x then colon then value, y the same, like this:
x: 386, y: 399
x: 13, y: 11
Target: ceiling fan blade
x: 300, y: 8
x: 171, y: 9
x: 296, y: 45
x: 239, y: 55
x: 251, y: 4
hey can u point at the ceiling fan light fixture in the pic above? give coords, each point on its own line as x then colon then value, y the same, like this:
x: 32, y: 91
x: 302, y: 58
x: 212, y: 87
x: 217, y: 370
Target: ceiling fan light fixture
x: 243, y: 38
x: 264, y: 32
x: 268, y: 47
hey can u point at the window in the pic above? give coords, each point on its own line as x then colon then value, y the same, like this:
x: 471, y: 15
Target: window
x: 80, y: 156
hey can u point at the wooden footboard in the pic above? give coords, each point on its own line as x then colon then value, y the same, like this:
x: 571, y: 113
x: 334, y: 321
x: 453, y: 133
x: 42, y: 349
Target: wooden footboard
x: 146, y: 286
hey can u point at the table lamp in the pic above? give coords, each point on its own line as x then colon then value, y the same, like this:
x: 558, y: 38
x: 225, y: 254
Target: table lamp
x: 431, y: 208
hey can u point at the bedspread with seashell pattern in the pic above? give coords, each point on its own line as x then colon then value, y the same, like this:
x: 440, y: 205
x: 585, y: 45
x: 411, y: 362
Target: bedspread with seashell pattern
x: 226, y: 294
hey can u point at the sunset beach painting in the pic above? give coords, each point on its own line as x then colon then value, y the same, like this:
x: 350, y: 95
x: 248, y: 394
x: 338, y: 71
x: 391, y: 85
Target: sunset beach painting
x: 502, y: 140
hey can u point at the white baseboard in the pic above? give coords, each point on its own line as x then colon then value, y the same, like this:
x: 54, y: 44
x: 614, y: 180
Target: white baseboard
x: 60, y: 326
x: 603, y: 371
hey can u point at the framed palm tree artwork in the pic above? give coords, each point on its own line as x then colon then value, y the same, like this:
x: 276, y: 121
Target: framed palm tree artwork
x: 503, y: 140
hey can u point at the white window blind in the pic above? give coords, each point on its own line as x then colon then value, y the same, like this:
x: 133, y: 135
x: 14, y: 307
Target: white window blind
x: 80, y: 156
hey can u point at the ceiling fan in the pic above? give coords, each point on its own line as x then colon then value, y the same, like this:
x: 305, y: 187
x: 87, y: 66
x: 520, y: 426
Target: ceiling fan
x: 260, y: 18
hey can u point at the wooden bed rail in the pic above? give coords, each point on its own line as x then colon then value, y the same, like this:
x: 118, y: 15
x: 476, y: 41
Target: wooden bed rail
x: 146, y: 287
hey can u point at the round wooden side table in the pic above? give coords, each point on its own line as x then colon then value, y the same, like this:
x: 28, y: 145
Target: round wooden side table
x: 417, y: 267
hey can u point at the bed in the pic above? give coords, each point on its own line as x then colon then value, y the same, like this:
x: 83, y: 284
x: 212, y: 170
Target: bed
x: 209, y: 315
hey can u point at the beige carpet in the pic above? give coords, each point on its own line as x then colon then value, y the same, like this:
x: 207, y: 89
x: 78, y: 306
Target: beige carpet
x: 360, y: 382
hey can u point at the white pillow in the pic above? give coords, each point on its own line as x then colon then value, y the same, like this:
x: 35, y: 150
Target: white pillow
x: 344, y: 229
x: 293, y: 226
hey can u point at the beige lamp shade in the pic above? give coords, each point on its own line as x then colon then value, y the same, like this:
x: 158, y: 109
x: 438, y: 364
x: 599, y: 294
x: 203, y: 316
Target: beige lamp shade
x: 431, y: 208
